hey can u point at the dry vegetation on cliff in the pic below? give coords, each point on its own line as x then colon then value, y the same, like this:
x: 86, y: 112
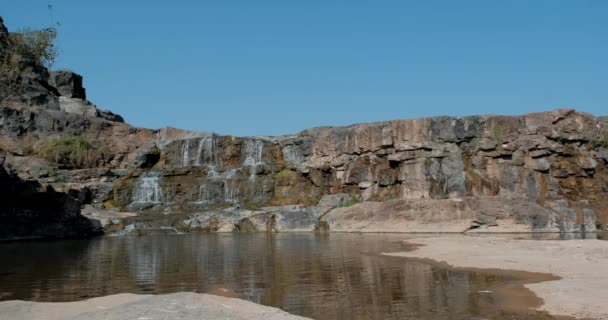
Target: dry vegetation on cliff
x: 72, y: 152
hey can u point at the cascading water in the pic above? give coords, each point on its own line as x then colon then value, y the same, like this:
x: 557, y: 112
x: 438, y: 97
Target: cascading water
x: 253, y: 156
x: 186, y: 153
x: 211, y: 192
x: 253, y: 152
x: 221, y: 185
x: 147, y: 189
x: 231, y: 191
x: 207, y: 152
x: 223, y: 188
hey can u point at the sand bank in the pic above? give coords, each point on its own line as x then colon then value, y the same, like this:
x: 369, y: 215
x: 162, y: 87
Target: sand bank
x: 580, y: 291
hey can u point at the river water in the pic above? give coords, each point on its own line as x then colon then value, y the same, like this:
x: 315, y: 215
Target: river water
x: 322, y: 276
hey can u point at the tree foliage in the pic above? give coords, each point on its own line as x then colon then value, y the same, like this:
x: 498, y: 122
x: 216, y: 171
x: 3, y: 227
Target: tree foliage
x: 27, y: 49
x: 35, y: 45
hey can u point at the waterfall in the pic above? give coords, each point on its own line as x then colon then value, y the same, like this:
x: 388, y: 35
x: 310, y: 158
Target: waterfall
x: 253, y: 152
x: 231, y: 191
x: 207, y: 152
x: 147, y: 189
x: 186, y: 153
x: 253, y: 156
x: 212, y: 173
x: 221, y: 188
x: 212, y: 192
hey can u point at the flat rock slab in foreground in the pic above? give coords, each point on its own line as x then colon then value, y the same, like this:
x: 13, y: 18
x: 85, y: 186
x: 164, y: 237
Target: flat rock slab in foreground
x: 183, y: 305
x: 581, y: 264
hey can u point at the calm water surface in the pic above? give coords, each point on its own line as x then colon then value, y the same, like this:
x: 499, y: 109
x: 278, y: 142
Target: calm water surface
x: 332, y: 276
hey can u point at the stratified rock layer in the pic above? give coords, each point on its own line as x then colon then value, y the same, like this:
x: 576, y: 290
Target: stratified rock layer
x: 537, y: 172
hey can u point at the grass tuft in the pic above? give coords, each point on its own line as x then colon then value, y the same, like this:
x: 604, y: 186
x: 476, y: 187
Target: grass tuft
x: 72, y: 152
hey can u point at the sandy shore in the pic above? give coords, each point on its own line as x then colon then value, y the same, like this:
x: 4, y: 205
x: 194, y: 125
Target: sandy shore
x: 580, y: 292
x: 183, y: 305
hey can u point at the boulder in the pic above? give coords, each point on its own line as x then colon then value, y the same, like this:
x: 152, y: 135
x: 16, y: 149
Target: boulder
x: 77, y: 106
x: 490, y: 214
x: 68, y: 84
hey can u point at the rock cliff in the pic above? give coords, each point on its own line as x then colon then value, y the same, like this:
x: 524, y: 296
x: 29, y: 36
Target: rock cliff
x: 536, y: 172
x: 541, y: 171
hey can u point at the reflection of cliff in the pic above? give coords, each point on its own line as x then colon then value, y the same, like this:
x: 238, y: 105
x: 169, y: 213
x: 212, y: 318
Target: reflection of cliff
x: 321, y: 276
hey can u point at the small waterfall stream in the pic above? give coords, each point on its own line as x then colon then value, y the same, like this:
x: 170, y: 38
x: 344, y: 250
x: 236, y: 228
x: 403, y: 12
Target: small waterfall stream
x: 253, y: 156
x: 220, y: 185
x: 186, y: 153
x: 221, y: 188
x: 253, y: 152
x: 147, y: 189
x: 207, y: 152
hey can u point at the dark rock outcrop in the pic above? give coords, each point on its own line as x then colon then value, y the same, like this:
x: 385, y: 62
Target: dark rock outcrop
x: 68, y: 84
x: 31, y: 210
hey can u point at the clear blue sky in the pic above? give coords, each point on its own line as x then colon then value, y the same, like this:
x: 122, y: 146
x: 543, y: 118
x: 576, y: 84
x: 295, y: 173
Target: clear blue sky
x: 277, y: 67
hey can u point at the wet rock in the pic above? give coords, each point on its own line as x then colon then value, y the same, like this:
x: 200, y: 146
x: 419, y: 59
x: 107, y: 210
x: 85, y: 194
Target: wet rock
x: 589, y: 219
x: 567, y: 218
x: 106, y: 218
x: 294, y: 218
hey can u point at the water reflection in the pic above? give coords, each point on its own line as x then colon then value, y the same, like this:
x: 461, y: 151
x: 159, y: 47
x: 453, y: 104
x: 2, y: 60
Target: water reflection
x: 332, y: 276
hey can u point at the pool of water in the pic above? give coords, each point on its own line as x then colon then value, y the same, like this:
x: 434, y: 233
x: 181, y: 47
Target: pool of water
x: 322, y: 276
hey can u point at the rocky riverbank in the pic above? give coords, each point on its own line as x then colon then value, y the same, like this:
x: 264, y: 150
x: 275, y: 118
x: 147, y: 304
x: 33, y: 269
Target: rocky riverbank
x: 181, y: 305
x: 579, y: 291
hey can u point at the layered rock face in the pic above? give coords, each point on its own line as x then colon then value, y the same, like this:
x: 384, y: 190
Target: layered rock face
x: 536, y: 172
x: 543, y: 171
